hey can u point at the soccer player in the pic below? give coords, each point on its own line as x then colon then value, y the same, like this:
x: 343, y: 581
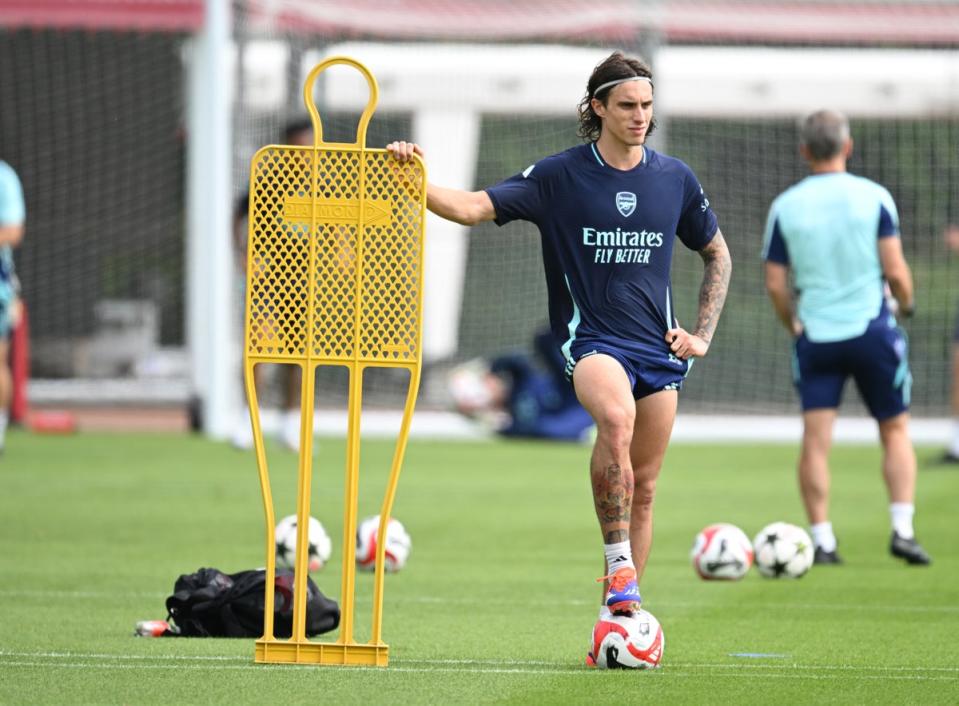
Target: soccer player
x: 839, y: 236
x: 608, y: 213
x: 12, y: 215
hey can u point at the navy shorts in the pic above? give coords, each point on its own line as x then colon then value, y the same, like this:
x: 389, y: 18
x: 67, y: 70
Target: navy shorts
x: 877, y: 360
x: 648, y: 372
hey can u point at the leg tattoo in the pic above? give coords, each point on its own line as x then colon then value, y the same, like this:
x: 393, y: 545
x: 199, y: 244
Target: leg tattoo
x: 613, y: 497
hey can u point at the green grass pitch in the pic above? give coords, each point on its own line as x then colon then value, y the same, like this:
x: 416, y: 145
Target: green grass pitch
x: 498, y: 599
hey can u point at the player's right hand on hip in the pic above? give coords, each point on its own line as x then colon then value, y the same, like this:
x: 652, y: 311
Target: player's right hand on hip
x: 685, y: 345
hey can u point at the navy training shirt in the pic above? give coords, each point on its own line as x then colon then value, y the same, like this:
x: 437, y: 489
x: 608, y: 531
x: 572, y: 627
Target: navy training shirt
x: 607, y: 237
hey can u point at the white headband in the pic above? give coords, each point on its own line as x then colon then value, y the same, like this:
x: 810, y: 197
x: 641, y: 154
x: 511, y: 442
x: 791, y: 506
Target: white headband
x: 618, y: 81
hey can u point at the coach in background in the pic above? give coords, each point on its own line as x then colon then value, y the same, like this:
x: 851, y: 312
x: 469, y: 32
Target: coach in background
x: 839, y: 234
x: 12, y: 214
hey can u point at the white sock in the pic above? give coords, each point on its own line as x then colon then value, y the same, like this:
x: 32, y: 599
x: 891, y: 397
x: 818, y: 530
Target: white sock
x: 823, y: 537
x: 3, y: 427
x: 618, y: 555
x: 901, y: 516
x: 954, y: 446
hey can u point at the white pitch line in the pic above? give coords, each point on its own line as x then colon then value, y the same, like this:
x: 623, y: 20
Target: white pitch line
x: 225, y: 658
x: 379, y: 670
x: 684, y: 604
x: 93, y: 595
x: 271, y: 667
x: 448, y: 664
x: 813, y: 667
x: 96, y: 655
x: 821, y: 677
x: 575, y: 603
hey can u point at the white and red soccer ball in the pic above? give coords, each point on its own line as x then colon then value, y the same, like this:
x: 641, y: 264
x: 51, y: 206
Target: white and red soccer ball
x: 633, y: 641
x: 320, y: 544
x: 722, y: 552
x: 398, y: 544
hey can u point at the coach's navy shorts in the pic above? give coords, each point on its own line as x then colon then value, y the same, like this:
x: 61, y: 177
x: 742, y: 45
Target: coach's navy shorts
x: 648, y: 371
x: 877, y: 360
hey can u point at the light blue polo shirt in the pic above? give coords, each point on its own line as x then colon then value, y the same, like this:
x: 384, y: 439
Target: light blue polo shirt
x: 12, y: 212
x: 826, y: 229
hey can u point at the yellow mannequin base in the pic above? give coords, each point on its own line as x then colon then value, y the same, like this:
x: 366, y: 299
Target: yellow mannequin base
x: 286, y: 652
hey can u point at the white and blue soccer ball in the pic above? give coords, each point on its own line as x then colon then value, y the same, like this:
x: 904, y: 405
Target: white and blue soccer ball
x: 722, y: 552
x: 783, y: 550
x: 321, y: 547
x: 398, y: 544
x: 633, y: 641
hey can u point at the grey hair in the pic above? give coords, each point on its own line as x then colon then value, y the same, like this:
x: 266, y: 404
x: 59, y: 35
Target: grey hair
x: 824, y: 133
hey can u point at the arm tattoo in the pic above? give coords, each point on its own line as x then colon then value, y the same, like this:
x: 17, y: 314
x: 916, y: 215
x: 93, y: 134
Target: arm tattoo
x: 717, y: 267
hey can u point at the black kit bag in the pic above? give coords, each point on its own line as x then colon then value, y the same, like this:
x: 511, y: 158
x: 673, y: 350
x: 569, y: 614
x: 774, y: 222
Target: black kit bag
x: 210, y: 603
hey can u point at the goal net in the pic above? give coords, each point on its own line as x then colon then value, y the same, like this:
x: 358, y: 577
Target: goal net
x: 91, y: 121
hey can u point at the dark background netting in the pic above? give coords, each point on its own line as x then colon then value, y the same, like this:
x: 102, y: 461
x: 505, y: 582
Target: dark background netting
x: 93, y: 123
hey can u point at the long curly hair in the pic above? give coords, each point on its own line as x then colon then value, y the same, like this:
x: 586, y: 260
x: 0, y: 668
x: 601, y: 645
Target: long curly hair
x: 614, y: 67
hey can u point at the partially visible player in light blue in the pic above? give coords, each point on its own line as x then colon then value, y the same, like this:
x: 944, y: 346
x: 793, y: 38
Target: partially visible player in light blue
x: 12, y: 216
x: 838, y: 234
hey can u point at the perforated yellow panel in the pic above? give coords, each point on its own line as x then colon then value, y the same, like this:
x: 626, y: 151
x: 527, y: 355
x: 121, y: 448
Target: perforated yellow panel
x: 334, y: 277
x: 335, y: 256
x: 391, y: 278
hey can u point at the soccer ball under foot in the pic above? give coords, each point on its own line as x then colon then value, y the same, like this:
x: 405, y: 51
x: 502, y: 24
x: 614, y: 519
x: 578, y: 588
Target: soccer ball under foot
x: 627, y: 641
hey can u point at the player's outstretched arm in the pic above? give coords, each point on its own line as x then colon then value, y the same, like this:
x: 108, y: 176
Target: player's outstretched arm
x: 717, y: 268
x: 464, y: 207
x: 777, y: 287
